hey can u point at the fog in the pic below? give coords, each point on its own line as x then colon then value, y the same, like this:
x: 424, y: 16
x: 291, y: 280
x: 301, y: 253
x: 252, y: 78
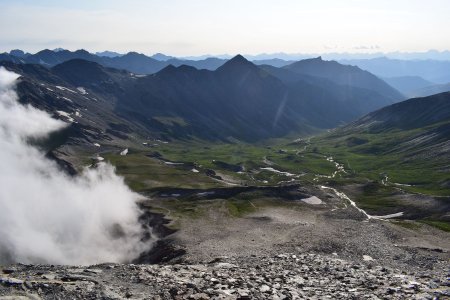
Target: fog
x: 47, y: 216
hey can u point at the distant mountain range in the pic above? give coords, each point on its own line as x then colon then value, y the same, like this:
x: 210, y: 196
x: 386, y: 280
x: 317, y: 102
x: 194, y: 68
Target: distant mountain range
x: 430, y: 90
x: 434, y: 71
x: 132, y: 61
x: 407, y: 84
x: 437, y: 72
x: 239, y: 100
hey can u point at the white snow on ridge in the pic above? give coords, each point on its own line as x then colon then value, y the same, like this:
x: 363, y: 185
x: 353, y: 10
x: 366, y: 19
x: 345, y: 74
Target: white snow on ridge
x: 62, y: 88
x: 65, y: 114
x: 96, y: 144
x: 82, y: 90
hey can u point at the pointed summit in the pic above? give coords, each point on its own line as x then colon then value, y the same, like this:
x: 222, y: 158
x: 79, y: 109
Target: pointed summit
x: 239, y: 63
x: 238, y: 58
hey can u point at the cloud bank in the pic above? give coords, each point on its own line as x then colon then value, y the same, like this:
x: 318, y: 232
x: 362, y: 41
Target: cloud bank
x: 47, y: 216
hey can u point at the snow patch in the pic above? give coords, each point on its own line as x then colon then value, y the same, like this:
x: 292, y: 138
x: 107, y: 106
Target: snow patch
x: 270, y: 169
x: 173, y: 163
x: 313, y: 200
x: 62, y: 88
x: 82, y: 90
x: 124, y: 152
x: 66, y: 115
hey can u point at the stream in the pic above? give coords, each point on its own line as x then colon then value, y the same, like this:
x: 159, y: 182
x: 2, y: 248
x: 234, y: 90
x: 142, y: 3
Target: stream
x: 340, y: 169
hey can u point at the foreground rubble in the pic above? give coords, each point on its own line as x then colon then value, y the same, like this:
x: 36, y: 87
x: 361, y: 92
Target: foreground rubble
x: 285, y: 276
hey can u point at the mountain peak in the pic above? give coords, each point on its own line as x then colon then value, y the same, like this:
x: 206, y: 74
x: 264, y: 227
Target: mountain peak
x: 237, y: 63
x: 79, y: 51
x: 108, y: 53
x: 238, y: 59
x: 17, y: 53
x: 81, y: 72
x: 134, y: 54
x: 161, y: 57
x: 169, y: 69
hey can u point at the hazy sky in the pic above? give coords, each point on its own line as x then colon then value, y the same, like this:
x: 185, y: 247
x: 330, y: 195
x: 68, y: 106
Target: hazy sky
x: 194, y: 27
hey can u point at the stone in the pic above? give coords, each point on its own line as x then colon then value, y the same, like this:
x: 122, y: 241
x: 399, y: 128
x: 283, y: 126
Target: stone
x: 264, y: 288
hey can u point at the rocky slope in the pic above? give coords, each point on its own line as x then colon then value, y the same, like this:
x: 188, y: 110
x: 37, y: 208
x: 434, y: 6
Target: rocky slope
x: 284, y: 276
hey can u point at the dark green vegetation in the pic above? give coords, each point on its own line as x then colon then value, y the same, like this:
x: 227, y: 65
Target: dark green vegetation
x: 303, y: 162
x: 407, y: 142
x: 439, y: 224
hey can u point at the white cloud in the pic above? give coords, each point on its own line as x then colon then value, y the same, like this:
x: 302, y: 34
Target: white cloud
x: 47, y: 216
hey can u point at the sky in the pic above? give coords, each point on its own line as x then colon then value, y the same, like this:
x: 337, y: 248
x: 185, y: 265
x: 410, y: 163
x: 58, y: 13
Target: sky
x: 196, y: 27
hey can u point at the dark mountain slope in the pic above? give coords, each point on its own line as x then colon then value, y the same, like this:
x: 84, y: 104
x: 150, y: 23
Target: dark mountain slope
x: 134, y: 62
x: 238, y: 100
x: 11, y: 58
x: 416, y: 130
x: 87, y: 74
x: 51, y: 58
x: 89, y: 111
x: 411, y: 114
x: 345, y: 100
x: 211, y: 63
x: 344, y: 75
x: 397, y: 158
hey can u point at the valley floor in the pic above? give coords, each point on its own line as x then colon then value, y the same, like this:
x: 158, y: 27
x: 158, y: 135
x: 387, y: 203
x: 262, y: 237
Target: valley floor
x: 259, y: 223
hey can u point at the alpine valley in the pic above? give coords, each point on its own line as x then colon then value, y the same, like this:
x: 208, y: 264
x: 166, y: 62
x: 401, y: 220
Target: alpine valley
x: 248, y: 171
